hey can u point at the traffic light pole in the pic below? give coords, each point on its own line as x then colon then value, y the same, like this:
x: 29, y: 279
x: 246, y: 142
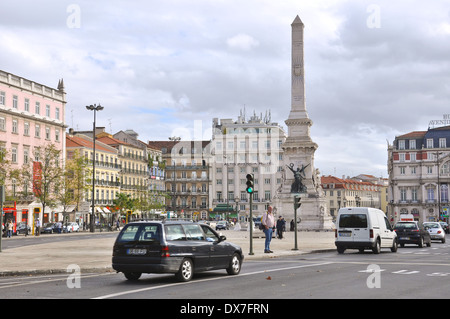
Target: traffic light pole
x: 251, y: 225
x: 296, y: 206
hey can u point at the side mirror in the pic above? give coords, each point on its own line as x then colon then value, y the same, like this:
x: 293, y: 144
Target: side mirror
x: 222, y: 238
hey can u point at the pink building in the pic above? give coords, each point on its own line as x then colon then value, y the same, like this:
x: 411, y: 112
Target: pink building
x: 31, y: 115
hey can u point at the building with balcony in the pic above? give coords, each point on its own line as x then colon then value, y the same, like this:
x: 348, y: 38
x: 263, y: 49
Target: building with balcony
x: 31, y: 117
x: 419, y: 174
x: 107, y: 174
x: 351, y: 192
x: 187, y: 176
x: 133, y: 162
x: 239, y: 148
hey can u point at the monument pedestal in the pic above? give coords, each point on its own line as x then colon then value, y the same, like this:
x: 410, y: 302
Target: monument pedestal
x: 312, y: 214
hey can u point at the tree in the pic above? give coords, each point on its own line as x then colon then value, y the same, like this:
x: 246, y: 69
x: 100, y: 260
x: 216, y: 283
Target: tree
x: 49, y: 167
x: 73, y: 181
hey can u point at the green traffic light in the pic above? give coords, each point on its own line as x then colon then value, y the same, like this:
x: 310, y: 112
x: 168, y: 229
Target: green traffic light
x: 249, y: 190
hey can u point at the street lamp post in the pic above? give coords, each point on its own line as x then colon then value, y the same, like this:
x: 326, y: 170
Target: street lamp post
x: 94, y: 108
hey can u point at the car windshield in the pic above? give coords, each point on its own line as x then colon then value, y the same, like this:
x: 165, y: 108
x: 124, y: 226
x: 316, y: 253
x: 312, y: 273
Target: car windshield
x: 431, y: 225
x: 406, y: 226
x: 353, y: 221
x: 140, y: 233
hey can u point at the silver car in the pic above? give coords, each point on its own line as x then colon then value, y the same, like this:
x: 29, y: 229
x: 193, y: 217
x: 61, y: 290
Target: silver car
x: 436, y: 231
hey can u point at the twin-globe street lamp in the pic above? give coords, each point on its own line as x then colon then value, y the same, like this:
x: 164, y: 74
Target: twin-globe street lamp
x: 94, y: 108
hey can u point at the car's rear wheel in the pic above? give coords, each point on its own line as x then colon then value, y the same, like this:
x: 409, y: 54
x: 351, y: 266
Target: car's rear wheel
x: 235, y: 265
x: 132, y: 275
x: 186, y: 271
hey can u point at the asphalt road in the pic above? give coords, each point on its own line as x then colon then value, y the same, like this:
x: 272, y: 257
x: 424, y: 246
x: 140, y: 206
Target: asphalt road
x: 411, y: 273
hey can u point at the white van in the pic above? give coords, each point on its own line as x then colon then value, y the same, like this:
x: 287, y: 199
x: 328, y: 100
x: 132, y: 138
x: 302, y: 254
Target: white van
x: 364, y: 228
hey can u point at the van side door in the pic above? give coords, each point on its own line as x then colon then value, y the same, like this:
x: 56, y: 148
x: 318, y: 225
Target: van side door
x: 388, y: 234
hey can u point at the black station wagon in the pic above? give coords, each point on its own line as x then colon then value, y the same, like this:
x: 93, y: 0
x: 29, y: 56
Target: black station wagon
x: 177, y: 247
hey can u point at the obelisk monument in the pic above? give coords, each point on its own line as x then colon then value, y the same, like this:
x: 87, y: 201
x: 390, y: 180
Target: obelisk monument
x: 299, y: 149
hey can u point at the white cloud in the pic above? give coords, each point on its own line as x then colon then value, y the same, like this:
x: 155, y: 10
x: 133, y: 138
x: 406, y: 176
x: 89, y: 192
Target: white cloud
x: 158, y: 66
x: 242, y: 42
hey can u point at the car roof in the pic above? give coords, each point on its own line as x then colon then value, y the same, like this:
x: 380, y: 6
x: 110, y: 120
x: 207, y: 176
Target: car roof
x: 162, y: 222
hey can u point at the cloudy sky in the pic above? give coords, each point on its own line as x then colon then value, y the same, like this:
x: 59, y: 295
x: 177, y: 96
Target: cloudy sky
x: 374, y: 69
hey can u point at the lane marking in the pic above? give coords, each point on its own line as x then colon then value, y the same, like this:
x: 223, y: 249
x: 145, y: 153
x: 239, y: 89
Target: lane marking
x: 207, y: 279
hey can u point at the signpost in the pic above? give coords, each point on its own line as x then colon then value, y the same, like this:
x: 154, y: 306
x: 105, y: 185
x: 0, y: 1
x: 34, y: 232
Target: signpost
x: 297, y: 204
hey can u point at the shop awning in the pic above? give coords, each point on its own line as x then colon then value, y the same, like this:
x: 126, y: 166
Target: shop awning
x: 223, y: 208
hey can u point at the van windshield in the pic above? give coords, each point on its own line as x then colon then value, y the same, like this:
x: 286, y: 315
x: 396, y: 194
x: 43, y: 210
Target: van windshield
x: 139, y: 233
x: 353, y: 221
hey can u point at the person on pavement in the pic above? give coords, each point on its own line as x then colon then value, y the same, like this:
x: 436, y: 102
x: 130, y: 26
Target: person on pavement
x: 269, y: 223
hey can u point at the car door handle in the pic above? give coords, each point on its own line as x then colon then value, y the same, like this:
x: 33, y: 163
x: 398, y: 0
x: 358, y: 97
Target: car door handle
x: 194, y: 248
x: 211, y: 249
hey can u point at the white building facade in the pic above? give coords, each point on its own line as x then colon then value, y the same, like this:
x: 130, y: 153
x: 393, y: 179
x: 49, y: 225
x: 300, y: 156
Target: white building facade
x: 239, y: 148
x: 419, y: 175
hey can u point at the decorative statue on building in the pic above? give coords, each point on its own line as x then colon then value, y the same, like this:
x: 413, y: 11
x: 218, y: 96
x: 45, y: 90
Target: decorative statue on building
x: 297, y: 186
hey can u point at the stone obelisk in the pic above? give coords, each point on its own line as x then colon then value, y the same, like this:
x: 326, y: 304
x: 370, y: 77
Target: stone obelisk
x: 299, y: 151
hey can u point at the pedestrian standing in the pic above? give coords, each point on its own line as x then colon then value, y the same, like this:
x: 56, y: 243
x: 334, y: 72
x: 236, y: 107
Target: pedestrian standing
x: 281, y: 227
x: 269, y: 224
x: 9, y: 228
x: 38, y: 227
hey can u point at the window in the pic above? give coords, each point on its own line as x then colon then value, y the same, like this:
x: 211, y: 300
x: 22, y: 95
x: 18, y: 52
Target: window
x: 2, y: 124
x: 193, y: 232
x: 27, y: 105
x: 26, y: 155
x: 403, y: 194
x: 412, y: 144
x: 401, y: 144
x: 37, y: 108
x: 174, y: 232
x: 26, y: 129
x: 2, y: 98
x: 414, y: 194
x: 47, y: 133
x: 430, y: 193
x: 429, y: 143
x: 57, y: 113
x: 444, y: 193
x: 47, y: 110
x: 353, y: 221
x: 37, y: 132
x: 14, y: 126
x: 57, y: 135
x: 15, y: 103
x: 14, y: 154
x: 443, y: 142
x: 145, y: 233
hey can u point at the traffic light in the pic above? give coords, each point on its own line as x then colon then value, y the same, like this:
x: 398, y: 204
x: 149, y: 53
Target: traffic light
x: 297, y: 203
x: 250, y: 183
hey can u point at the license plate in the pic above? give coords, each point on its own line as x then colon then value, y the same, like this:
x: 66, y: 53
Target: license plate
x: 345, y: 234
x: 136, y: 251
x: 404, y: 238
